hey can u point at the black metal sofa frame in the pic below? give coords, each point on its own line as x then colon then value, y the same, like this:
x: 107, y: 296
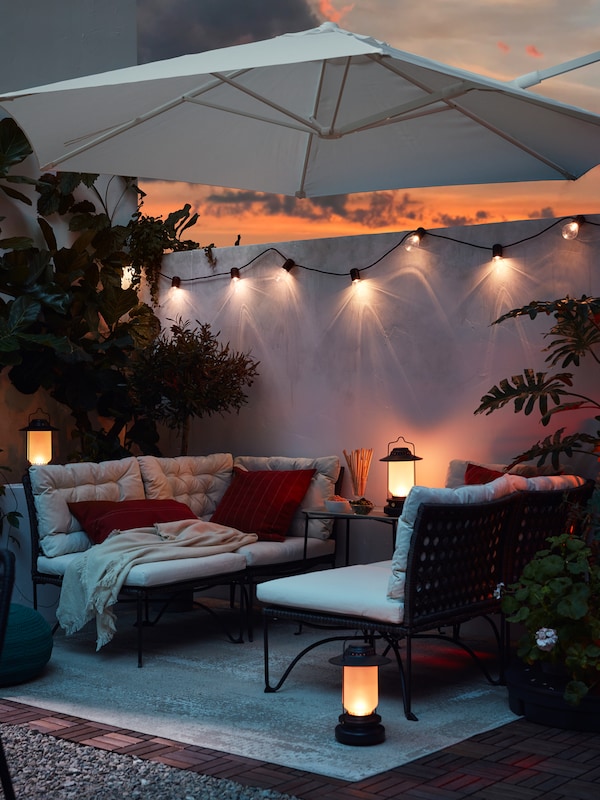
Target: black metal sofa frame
x: 458, y: 555
x: 167, y: 594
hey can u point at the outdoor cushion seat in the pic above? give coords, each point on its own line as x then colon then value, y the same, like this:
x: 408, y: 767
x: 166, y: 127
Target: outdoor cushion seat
x: 356, y: 591
x: 259, y: 554
x: 158, y: 573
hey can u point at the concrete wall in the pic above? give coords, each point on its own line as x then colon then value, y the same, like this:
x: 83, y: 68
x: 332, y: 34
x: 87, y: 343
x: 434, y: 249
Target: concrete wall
x: 409, y: 352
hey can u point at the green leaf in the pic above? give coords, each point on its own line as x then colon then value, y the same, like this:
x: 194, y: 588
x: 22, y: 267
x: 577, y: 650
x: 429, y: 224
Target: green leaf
x: 14, y: 194
x: 14, y: 147
x: 16, y: 243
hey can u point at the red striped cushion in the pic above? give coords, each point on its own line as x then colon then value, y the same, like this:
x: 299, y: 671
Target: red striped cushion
x: 263, y: 501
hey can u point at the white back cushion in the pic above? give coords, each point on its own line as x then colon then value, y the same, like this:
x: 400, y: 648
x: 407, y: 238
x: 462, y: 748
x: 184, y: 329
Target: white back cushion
x: 549, y: 482
x: 321, y: 486
x: 198, y: 481
x: 477, y: 493
x: 55, y: 485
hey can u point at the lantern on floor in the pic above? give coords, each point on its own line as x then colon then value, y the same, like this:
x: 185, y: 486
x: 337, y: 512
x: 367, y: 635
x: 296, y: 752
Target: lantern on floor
x: 360, y: 724
x: 401, y: 475
x: 39, y: 438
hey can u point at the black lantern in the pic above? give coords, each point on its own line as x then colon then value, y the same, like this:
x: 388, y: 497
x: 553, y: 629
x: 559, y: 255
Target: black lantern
x: 401, y: 475
x: 39, y: 438
x: 360, y: 724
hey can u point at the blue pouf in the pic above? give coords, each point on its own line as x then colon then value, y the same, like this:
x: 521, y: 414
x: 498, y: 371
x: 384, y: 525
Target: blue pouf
x: 27, y: 646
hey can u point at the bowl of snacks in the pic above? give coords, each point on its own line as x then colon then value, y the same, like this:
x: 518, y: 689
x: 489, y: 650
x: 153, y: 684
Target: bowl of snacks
x: 338, y: 505
x: 362, y: 506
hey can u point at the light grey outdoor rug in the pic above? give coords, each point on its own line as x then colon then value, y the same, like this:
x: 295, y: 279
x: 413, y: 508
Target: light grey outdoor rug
x: 197, y: 687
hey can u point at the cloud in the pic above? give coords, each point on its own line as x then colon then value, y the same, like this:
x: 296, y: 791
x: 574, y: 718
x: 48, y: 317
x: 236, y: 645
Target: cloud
x: 372, y: 211
x: 544, y: 213
x: 532, y: 50
x: 330, y: 13
x: 503, y: 47
x: 174, y: 28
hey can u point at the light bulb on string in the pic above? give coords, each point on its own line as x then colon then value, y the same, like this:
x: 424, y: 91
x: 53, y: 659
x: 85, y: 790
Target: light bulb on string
x: 414, y: 240
x: 570, y: 230
x: 497, y: 252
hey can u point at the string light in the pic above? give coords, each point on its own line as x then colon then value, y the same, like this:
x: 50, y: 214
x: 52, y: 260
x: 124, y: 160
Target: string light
x: 570, y: 230
x: 569, y: 224
x: 414, y: 240
x: 175, y: 282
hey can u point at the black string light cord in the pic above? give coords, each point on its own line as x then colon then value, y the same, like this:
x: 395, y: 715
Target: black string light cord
x: 289, y: 263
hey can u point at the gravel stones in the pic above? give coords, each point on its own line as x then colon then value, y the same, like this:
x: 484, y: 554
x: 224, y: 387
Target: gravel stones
x: 46, y: 768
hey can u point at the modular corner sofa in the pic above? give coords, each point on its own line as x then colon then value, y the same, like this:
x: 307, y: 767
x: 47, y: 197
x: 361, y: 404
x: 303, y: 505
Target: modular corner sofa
x: 74, y: 508
x: 454, y: 547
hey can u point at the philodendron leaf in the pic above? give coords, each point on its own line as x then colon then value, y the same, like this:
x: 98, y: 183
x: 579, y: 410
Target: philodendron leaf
x: 23, y: 312
x: 16, y: 243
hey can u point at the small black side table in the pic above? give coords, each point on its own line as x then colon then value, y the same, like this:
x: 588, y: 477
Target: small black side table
x: 376, y: 515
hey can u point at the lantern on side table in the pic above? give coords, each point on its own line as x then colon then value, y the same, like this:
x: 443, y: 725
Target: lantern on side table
x: 401, y: 475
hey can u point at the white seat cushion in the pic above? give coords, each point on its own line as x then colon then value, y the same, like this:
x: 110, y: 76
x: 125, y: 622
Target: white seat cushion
x: 292, y: 549
x: 356, y: 591
x: 159, y: 573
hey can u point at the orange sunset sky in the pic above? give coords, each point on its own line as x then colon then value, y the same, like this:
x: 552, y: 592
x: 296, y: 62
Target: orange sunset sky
x: 502, y: 40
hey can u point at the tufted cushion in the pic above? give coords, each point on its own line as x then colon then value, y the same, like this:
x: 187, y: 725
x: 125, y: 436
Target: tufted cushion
x: 479, y: 493
x: 198, y: 481
x: 321, y: 487
x: 263, y: 501
x: 56, y: 485
x: 99, y: 518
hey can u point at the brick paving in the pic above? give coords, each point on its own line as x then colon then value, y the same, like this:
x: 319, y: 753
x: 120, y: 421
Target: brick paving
x: 518, y: 761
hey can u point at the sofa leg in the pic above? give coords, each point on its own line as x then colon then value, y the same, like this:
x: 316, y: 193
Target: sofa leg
x: 405, y: 675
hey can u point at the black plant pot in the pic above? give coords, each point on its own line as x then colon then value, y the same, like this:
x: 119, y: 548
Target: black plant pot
x: 538, y: 697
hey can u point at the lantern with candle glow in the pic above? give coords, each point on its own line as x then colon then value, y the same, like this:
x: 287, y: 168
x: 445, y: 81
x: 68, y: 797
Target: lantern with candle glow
x: 39, y: 438
x: 360, y: 724
x: 401, y: 475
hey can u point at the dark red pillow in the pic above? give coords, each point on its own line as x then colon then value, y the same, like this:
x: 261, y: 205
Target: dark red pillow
x: 477, y: 474
x: 263, y: 501
x: 99, y: 518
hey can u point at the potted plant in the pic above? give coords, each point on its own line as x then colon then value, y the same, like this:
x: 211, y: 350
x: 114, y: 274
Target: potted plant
x: 188, y: 373
x: 556, y: 600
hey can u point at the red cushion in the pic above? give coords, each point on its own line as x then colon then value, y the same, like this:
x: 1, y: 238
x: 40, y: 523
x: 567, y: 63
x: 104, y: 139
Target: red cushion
x: 99, y: 518
x: 263, y: 501
x: 477, y: 474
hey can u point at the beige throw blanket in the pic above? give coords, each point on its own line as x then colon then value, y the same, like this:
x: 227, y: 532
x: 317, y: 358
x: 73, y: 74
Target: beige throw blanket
x: 93, y: 580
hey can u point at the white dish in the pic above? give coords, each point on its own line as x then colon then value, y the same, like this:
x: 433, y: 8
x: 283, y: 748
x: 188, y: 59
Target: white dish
x: 338, y: 506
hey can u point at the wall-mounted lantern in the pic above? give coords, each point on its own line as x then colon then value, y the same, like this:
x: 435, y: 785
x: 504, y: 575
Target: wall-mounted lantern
x: 39, y: 438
